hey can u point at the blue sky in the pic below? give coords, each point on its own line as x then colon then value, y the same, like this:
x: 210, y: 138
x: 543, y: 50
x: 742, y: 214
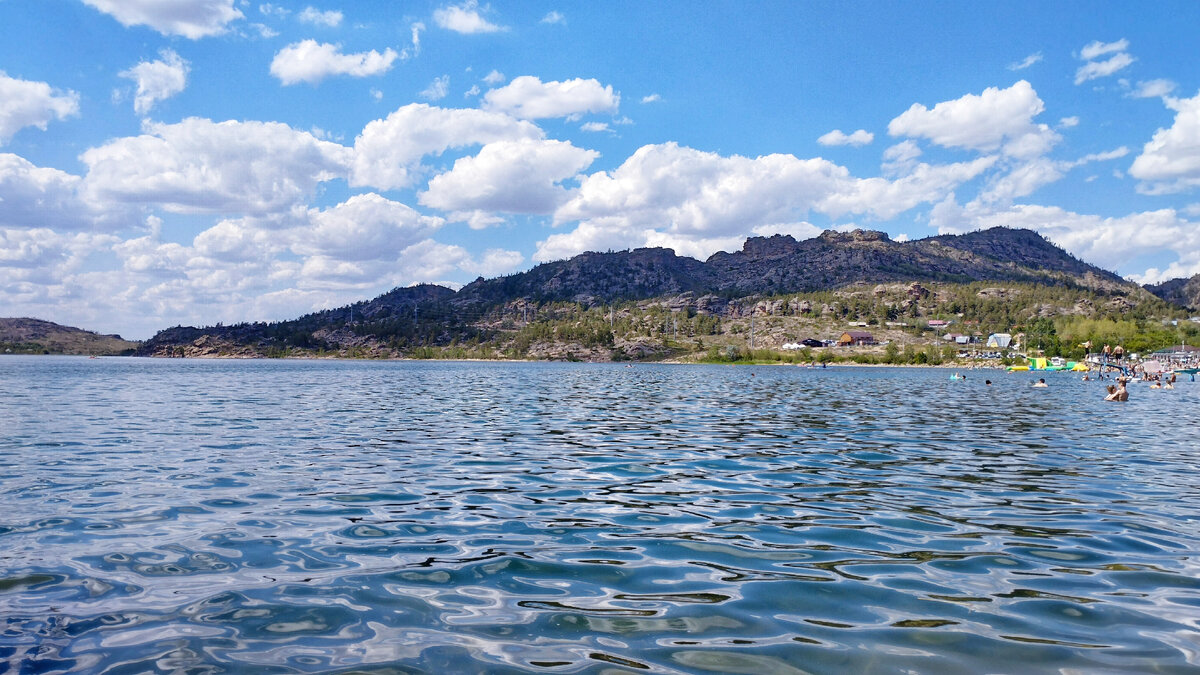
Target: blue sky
x: 169, y: 162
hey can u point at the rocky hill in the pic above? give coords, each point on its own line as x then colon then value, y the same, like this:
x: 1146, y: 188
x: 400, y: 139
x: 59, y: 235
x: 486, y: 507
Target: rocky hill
x: 1182, y: 292
x: 650, y: 288
x: 780, y: 264
x: 34, y: 336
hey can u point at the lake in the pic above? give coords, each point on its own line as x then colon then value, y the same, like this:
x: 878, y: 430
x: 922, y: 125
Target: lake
x: 432, y: 517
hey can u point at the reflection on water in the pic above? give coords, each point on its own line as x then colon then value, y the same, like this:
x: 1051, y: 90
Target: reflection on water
x: 449, y: 517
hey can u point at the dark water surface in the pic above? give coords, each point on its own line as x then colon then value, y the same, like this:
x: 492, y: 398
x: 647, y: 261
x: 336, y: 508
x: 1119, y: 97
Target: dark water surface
x: 268, y: 516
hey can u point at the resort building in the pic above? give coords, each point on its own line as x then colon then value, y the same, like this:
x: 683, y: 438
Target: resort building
x: 855, y: 337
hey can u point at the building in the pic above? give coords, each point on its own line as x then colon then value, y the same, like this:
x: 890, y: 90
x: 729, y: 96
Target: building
x: 855, y: 337
x: 999, y: 340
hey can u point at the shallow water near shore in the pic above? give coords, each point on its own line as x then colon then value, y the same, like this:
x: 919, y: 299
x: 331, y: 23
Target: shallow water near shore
x: 338, y: 516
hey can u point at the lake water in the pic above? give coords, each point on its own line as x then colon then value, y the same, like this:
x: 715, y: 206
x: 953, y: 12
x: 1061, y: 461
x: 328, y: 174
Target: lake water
x: 326, y: 516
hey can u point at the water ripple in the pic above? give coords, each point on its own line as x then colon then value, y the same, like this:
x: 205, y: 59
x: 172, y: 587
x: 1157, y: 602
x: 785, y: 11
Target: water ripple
x: 231, y: 516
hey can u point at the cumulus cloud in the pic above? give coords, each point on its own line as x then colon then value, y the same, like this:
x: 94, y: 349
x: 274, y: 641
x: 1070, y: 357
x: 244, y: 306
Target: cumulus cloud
x: 997, y: 119
x: 465, y: 18
x: 553, y: 17
x: 651, y: 98
x: 528, y: 97
x: 364, y: 227
x: 519, y: 176
x: 316, y: 17
x: 699, y: 202
x: 193, y: 19
x: 1170, y: 160
x: 157, y: 80
x: 1026, y: 62
x: 838, y: 137
x: 595, y: 126
x: 388, y: 152
x: 671, y: 192
x: 493, y: 78
x: 25, y: 103
x: 1094, y: 69
x: 201, y: 166
x: 886, y: 199
x: 901, y: 157
x: 1068, y: 122
x: 40, y: 197
x: 311, y: 61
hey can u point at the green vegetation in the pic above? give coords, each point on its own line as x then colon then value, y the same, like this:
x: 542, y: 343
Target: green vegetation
x: 1053, y: 320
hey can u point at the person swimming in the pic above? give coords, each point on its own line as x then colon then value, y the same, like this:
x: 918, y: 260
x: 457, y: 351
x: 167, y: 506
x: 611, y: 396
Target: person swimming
x: 1041, y: 383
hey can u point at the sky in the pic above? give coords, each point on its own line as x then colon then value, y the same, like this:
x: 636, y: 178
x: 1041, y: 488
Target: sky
x: 193, y: 162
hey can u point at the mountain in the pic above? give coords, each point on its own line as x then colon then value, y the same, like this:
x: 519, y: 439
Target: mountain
x: 780, y: 264
x: 508, y: 310
x: 1182, y: 292
x: 596, y: 277
x: 34, y: 336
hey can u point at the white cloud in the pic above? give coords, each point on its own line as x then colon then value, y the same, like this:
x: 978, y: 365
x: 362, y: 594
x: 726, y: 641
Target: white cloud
x: 1170, y: 160
x: 699, y: 202
x: 437, y: 89
x: 1098, y: 48
x: 1022, y: 180
x: 667, y: 192
x: 493, y: 78
x: 1153, y: 89
x: 519, y: 176
x: 856, y: 139
x: 157, y: 80
x: 464, y: 18
x: 886, y: 199
x: 389, y: 151
x: 553, y: 17
x: 310, y: 61
x: 595, y: 126
x: 264, y: 30
x: 651, y: 98
x: 1068, y: 122
x: 901, y: 158
x: 192, y: 19
x: 472, y: 92
x: 529, y: 98
x: 1026, y: 62
x: 1025, y: 178
x: 376, y: 94
x: 316, y: 17
x: 414, y: 49
x: 269, y: 9
x: 39, y: 197
x: 24, y: 103
x: 364, y: 227
x: 1096, y: 69
x: 997, y: 119
x: 201, y: 166
x: 495, y: 261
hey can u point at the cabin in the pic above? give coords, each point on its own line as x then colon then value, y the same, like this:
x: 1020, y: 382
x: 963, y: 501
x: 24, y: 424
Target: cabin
x: 855, y: 337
